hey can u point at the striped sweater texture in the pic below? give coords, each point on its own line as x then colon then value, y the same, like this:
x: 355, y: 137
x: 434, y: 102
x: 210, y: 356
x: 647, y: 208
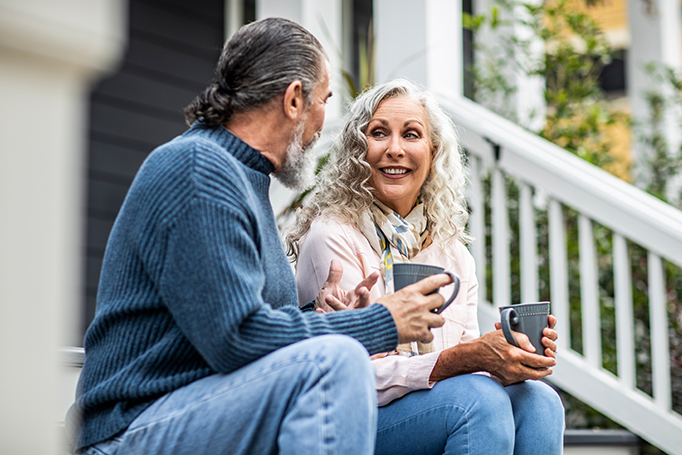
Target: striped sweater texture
x: 195, y: 282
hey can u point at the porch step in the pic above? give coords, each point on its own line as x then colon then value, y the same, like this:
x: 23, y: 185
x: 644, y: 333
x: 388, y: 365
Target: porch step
x: 601, y: 442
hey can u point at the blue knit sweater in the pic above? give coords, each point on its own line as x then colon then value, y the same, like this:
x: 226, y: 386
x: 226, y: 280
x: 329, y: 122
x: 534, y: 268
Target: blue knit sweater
x: 195, y: 282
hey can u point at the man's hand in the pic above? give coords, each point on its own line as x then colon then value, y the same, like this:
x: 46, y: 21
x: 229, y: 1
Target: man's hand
x: 411, y: 308
x: 332, y: 298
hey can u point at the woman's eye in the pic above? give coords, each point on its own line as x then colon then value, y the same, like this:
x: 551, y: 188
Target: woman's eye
x: 411, y: 135
x: 378, y: 133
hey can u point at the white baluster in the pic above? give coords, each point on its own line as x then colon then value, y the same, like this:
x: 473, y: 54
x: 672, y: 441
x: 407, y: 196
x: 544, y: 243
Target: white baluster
x: 622, y: 276
x: 559, y: 273
x: 477, y: 224
x: 500, y: 234
x: 589, y: 293
x: 660, y: 347
x: 528, y: 247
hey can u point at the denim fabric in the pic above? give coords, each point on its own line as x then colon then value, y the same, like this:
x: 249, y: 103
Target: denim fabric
x: 472, y: 415
x: 195, y: 282
x: 313, y: 397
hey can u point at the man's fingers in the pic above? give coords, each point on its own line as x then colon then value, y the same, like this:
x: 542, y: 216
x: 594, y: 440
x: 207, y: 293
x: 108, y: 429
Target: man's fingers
x: 434, y: 301
x: 335, y: 273
x: 428, y: 338
x: 552, y: 321
x: 434, y: 320
x: 432, y: 283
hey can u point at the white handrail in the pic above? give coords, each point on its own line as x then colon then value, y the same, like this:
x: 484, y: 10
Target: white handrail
x: 505, y: 150
x: 604, y: 198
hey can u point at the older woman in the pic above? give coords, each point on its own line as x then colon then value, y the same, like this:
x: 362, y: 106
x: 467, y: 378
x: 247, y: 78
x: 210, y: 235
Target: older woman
x: 393, y: 191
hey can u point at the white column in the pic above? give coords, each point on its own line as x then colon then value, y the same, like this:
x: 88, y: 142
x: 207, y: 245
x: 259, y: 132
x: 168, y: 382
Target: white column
x: 234, y: 12
x: 656, y: 38
x: 324, y: 19
x: 400, y: 40
x: 531, y: 107
x: 527, y: 106
x: 49, y: 53
x: 420, y: 40
x: 444, y: 52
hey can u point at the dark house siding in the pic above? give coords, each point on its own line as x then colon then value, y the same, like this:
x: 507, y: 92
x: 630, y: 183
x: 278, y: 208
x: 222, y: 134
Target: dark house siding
x: 172, y: 51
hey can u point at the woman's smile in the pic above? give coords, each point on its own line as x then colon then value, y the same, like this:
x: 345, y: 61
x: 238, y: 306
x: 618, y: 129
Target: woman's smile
x: 399, y: 151
x: 395, y: 172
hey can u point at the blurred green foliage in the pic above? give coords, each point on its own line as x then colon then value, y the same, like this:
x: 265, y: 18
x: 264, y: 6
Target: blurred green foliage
x: 566, y: 48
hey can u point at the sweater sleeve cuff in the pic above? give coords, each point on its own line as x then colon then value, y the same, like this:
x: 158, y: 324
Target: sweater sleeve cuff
x: 308, y: 307
x: 372, y: 326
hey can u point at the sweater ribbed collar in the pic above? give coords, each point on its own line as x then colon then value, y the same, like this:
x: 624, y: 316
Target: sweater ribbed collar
x: 242, y: 151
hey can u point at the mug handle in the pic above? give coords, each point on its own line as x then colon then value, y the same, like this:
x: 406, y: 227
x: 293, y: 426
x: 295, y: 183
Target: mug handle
x: 507, y: 318
x: 455, y: 281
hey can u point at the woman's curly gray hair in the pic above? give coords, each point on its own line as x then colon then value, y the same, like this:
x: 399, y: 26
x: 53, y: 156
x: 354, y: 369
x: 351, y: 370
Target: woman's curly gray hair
x: 344, y: 194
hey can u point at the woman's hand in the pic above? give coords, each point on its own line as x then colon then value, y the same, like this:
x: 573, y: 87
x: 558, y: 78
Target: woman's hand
x: 509, y: 364
x: 548, y: 340
x: 332, y: 298
x: 491, y: 353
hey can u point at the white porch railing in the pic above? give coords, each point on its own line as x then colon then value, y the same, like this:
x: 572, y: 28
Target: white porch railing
x: 504, y: 149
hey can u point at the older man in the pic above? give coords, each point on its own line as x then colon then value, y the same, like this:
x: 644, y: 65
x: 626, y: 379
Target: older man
x: 198, y: 345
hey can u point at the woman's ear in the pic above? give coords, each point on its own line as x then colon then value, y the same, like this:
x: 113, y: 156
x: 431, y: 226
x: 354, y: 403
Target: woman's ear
x: 293, y: 103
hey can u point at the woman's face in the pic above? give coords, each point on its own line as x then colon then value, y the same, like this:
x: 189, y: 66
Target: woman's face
x: 399, y: 152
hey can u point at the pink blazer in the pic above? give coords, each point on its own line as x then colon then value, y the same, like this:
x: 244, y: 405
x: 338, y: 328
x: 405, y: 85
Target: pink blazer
x: 396, y: 375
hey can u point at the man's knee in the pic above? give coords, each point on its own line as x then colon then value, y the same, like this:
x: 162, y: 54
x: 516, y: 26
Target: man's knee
x: 340, y: 355
x: 345, y: 353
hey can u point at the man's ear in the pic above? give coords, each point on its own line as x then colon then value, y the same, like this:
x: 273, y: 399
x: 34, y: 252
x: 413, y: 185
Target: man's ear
x: 293, y: 100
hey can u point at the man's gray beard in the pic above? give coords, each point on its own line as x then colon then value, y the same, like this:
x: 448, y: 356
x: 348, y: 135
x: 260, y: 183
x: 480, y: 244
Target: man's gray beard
x: 298, y: 171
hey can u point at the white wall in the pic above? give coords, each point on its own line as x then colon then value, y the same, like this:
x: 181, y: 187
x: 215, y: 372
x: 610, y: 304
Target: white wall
x: 420, y: 40
x: 49, y: 52
x: 655, y: 38
x: 324, y: 19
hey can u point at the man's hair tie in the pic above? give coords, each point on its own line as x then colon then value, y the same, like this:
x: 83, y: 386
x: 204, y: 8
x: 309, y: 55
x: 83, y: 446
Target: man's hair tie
x: 226, y: 88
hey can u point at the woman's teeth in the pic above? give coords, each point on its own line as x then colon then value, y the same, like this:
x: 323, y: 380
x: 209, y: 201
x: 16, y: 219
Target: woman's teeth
x: 395, y: 171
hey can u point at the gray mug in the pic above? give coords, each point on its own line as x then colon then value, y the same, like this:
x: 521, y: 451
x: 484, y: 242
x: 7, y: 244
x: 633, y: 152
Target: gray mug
x: 528, y: 318
x: 405, y: 274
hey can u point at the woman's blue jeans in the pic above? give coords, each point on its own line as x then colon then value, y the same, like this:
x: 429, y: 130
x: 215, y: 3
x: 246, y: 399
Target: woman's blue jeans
x: 473, y: 414
x: 313, y: 397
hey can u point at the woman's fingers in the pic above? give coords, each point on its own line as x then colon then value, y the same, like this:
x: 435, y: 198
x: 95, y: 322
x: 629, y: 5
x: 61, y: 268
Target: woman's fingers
x: 334, y: 303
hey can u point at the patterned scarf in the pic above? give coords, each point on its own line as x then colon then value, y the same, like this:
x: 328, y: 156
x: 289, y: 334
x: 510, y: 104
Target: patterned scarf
x: 396, y: 239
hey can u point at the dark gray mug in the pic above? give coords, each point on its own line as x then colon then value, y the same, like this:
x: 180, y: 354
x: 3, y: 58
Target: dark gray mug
x: 405, y: 274
x: 528, y: 318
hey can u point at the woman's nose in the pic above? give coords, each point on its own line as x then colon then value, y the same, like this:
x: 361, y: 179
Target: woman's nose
x: 395, y: 149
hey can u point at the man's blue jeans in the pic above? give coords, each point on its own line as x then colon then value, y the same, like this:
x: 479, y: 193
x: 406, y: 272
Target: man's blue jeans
x: 473, y: 414
x: 314, y: 397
